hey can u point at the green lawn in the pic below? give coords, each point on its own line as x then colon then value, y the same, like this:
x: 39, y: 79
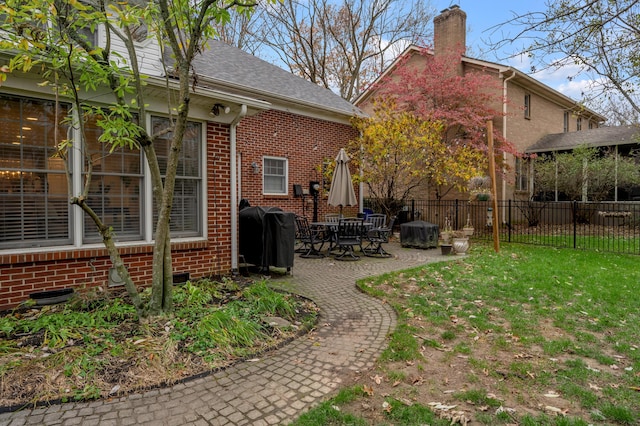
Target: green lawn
x: 527, y: 321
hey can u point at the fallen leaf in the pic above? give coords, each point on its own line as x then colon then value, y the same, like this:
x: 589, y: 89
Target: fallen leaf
x: 441, y: 406
x: 368, y: 390
x: 522, y: 356
x: 556, y: 410
x: 594, y: 387
x: 377, y: 379
x: 396, y: 383
x: 552, y: 394
x: 406, y: 402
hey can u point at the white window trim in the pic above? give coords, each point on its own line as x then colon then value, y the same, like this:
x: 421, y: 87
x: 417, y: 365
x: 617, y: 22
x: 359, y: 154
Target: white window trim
x: 286, y: 175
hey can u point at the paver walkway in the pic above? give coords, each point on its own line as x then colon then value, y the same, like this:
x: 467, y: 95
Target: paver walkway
x: 277, y: 388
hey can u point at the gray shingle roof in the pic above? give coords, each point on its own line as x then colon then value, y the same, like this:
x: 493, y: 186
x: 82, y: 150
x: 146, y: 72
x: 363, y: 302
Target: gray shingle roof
x: 232, y: 69
x: 602, y: 136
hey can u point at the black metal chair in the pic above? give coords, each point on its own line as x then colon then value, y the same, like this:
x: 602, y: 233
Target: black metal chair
x: 348, y: 237
x: 376, y: 237
x: 377, y: 220
x: 310, y: 239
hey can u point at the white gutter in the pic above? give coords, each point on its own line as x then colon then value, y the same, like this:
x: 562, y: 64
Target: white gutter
x: 234, y: 188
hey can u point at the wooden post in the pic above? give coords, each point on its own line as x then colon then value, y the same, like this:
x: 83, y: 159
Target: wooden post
x: 494, y: 187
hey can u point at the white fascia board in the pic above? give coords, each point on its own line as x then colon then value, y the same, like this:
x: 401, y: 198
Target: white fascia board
x: 288, y: 103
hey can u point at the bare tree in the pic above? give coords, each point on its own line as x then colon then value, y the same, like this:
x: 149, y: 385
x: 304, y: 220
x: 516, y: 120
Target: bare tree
x: 344, y: 45
x: 600, y: 38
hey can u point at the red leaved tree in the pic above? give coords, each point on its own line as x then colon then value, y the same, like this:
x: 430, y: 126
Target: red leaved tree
x: 433, y: 88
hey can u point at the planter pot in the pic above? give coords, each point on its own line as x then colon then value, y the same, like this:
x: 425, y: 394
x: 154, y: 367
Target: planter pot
x: 483, y: 197
x: 446, y: 249
x: 460, y: 245
x: 468, y: 231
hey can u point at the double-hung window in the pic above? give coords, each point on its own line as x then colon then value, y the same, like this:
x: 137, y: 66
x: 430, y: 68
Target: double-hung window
x: 527, y: 106
x: 522, y: 175
x: 34, y: 207
x: 116, y: 188
x: 187, y: 205
x: 274, y: 175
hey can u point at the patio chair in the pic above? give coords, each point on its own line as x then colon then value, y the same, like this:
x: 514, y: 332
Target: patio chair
x: 349, y: 235
x: 375, y: 238
x: 377, y: 220
x: 310, y: 239
x: 332, y: 218
x: 331, y: 228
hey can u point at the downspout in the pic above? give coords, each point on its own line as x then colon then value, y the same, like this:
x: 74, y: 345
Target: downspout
x: 504, y: 126
x: 234, y: 188
x: 504, y: 135
x: 361, y: 183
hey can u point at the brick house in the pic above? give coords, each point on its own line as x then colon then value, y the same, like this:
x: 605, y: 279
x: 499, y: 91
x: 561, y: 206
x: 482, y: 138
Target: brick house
x: 531, y: 110
x: 255, y: 131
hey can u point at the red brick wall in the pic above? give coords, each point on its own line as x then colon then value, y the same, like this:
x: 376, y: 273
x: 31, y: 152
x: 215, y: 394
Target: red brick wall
x: 304, y: 141
x: 23, y: 274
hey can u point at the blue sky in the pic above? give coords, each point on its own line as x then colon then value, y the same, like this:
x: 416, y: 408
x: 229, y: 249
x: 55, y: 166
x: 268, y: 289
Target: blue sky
x: 482, y: 15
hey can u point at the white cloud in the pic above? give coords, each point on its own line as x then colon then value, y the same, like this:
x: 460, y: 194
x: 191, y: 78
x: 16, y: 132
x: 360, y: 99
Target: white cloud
x: 565, y: 76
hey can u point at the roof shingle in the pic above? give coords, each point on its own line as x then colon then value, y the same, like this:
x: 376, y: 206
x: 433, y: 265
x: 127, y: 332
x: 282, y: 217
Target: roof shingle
x: 602, y: 136
x: 231, y: 68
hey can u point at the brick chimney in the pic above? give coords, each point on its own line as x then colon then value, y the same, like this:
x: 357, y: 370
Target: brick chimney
x: 450, y: 32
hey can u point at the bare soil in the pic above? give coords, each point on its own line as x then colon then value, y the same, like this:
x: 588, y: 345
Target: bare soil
x: 508, y: 373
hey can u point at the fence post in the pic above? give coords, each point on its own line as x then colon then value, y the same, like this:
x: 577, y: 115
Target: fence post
x: 575, y: 223
x: 413, y: 210
x: 456, y: 223
x: 509, y: 222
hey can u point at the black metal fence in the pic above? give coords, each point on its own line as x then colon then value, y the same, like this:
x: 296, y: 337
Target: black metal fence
x: 603, y: 226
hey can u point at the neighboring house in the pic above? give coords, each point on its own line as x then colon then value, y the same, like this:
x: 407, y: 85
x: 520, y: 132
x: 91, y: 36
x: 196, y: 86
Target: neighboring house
x: 255, y: 131
x: 624, y: 140
x: 531, y: 110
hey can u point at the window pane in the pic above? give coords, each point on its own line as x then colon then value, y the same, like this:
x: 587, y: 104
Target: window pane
x: 275, y: 176
x: 522, y: 178
x: 185, y: 215
x: 115, y: 188
x: 34, y: 210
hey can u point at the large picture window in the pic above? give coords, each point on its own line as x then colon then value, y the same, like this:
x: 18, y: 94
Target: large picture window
x: 186, y: 213
x: 274, y: 175
x: 34, y: 207
x: 34, y: 195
